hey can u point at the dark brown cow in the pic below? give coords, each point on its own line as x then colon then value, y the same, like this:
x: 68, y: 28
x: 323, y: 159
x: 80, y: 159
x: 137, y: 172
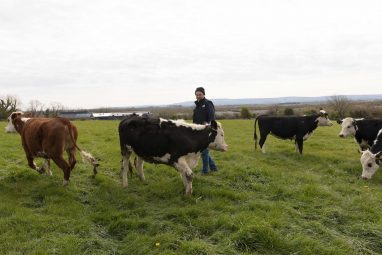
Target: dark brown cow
x: 49, y: 138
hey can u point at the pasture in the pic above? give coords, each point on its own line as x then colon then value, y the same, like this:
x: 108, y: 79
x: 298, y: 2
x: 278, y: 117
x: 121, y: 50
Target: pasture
x: 274, y: 203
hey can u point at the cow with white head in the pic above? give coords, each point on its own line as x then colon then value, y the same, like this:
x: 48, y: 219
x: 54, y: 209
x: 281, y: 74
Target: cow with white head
x: 172, y: 142
x: 363, y: 130
x: 371, y: 159
x: 10, y: 128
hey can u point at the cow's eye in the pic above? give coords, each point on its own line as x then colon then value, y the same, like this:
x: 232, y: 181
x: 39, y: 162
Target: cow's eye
x: 349, y: 126
x: 369, y: 165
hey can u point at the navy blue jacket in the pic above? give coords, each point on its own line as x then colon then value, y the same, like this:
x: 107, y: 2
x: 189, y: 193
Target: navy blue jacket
x: 204, y: 112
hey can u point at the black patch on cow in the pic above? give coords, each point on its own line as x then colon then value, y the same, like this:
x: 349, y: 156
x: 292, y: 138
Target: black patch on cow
x: 367, y: 129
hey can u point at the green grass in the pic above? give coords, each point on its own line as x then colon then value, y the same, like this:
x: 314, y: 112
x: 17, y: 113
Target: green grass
x: 274, y: 203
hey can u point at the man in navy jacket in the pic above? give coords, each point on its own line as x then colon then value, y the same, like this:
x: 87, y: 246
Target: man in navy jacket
x: 204, y: 113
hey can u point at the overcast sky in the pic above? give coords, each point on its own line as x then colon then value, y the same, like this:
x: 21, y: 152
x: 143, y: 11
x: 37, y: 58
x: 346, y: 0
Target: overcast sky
x: 149, y: 52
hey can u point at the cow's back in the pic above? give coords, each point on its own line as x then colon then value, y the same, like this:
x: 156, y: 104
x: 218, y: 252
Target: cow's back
x: 41, y: 133
x: 144, y: 135
x: 368, y: 128
x: 283, y: 127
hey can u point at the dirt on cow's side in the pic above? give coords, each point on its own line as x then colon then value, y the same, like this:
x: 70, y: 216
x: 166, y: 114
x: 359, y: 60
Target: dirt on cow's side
x: 273, y: 203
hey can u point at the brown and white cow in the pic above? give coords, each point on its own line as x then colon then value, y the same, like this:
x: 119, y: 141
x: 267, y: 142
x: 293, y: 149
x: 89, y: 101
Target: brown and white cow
x: 49, y: 138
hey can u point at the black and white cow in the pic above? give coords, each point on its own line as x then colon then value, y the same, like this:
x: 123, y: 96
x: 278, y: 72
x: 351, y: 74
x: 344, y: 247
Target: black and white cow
x: 172, y: 142
x: 364, y: 130
x: 371, y: 159
x: 298, y: 128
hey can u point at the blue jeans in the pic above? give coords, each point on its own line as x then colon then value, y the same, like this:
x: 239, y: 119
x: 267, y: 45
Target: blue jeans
x: 208, y: 162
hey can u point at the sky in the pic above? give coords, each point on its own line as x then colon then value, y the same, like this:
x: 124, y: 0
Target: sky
x: 111, y: 53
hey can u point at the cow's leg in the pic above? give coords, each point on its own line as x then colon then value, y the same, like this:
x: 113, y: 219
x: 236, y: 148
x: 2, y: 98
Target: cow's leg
x: 72, y: 157
x: 186, y: 174
x: 61, y: 163
x: 33, y: 165
x: 263, y: 137
x: 46, y: 167
x: 125, y: 167
x: 139, y: 167
x: 299, y: 142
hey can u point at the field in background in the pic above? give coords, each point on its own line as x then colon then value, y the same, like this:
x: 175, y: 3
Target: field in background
x: 277, y: 203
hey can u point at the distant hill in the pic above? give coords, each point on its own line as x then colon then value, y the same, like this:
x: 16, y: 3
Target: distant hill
x: 279, y: 100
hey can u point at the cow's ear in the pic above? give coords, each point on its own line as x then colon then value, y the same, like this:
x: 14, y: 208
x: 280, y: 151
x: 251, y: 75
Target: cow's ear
x: 378, y: 158
x: 214, y: 125
x: 339, y: 121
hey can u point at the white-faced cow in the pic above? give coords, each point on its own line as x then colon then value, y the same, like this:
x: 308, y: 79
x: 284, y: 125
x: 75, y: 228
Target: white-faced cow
x: 49, y: 138
x: 10, y: 128
x: 172, y: 142
x: 298, y: 128
x: 364, y: 130
x: 371, y: 159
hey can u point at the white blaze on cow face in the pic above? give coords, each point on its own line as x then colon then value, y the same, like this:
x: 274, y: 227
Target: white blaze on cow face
x: 324, y: 120
x: 347, y: 128
x: 10, y: 128
x: 219, y: 142
x: 369, y: 164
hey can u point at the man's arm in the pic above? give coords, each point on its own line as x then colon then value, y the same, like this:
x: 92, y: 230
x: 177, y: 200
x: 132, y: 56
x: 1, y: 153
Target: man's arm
x: 210, y: 112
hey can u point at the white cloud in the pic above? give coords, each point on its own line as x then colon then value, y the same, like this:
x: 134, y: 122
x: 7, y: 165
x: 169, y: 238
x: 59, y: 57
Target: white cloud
x: 116, y: 53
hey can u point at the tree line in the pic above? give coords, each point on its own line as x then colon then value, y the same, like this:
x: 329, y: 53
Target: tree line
x: 35, y: 108
x: 337, y: 107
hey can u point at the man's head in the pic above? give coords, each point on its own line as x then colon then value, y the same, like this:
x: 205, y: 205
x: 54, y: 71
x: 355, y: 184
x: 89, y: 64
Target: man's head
x: 200, y: 93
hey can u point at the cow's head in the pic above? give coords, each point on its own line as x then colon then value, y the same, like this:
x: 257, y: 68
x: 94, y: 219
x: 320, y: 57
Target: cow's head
x: 348, y: 127
x: 218, y: 142
x: 323, y: 119
x: 10, y: 128
x: 370, y: 163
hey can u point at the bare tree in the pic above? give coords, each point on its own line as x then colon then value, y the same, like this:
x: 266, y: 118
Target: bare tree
x: 8, y: 104
x: 54, y: 109
x: 340, y: 104
x: 35, y: 108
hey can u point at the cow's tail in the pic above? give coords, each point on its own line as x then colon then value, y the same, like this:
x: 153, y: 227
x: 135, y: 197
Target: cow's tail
x: 86, y: 156
x: 255, y: 135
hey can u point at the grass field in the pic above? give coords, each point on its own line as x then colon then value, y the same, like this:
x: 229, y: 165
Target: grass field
x: 274, y: 203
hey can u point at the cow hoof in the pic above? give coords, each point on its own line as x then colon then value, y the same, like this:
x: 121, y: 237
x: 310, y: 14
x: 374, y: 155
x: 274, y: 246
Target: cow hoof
x: 40, y: 170
x: 65, y: 183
